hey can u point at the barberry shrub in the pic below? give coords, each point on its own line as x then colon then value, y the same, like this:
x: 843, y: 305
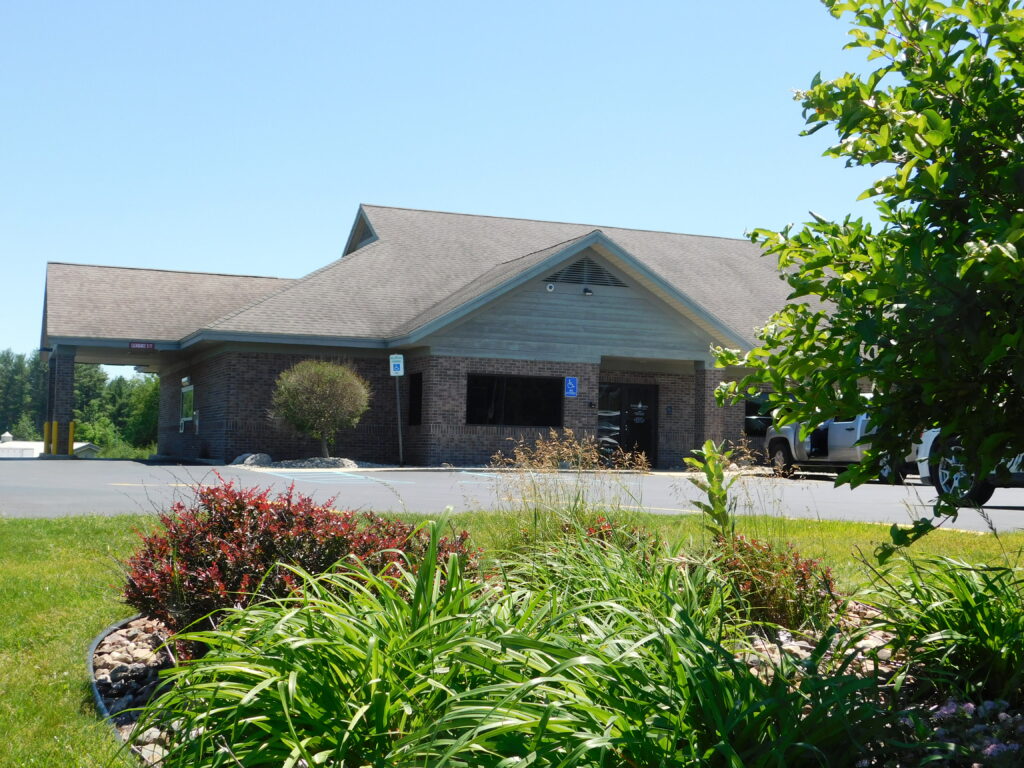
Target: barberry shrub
x: 609, y: 532
x: 230, y: 544
x: 776, y: 585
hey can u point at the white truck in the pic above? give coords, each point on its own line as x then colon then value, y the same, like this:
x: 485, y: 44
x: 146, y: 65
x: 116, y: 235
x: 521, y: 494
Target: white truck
x: 940, y: 462
x: 832, y: 446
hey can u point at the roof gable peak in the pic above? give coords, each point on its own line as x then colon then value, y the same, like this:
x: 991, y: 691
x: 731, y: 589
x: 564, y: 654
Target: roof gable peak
x: 362, y: 233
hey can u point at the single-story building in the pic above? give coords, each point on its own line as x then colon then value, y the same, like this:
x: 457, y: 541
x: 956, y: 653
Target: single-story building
x: 33, y: 449
x: 508, y: 327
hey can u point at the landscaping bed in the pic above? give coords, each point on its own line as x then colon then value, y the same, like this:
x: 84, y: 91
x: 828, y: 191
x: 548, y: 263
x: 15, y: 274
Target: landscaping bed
x: 61, y: 580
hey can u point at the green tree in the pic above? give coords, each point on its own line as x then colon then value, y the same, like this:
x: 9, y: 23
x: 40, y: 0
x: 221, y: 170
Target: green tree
x: 319, y: 399
x: 36, y: 374
x: 140, y: 427
x: 90, y: 393
x: 13, y: 388
x: 928, y: 306
x: 25, y: 429
x: 117, y: 397
x: 22, y: 390
x: 99, y: 431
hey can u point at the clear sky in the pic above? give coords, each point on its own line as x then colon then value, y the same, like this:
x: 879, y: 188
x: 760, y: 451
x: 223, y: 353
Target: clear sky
x: 240, y: 137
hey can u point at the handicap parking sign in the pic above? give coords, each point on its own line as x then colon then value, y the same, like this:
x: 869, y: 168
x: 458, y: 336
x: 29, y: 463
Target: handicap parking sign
x: 571, y: 386
x: 397, y: 363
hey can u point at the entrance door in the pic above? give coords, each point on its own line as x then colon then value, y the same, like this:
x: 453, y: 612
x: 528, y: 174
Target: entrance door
x: 627, y: 416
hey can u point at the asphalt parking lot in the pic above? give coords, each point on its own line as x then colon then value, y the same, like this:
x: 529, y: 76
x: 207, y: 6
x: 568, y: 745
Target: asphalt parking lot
x: 49, y: 488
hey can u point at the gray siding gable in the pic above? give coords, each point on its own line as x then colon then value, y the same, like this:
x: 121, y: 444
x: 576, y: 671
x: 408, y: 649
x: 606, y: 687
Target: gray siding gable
x: 533, y: 322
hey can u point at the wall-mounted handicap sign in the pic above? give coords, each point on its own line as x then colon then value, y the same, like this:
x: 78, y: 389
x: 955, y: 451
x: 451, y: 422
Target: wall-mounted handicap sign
x: 572, y: 386
x: 397, y: 365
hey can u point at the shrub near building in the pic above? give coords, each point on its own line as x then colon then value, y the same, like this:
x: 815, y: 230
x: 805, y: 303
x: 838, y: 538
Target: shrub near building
x: 320, y: 399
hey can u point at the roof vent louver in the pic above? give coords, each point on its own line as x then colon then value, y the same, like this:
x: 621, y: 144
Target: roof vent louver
x: 586, y: 271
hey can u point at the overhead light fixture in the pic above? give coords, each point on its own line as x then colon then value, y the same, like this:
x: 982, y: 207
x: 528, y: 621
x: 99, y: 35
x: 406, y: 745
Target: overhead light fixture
x: 587, y: 292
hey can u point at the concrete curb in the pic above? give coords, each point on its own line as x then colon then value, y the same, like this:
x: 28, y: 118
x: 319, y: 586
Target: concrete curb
x: 749, y: 471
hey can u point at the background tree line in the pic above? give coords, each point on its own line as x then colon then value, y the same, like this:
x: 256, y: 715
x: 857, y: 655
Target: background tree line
x: 119, y: 414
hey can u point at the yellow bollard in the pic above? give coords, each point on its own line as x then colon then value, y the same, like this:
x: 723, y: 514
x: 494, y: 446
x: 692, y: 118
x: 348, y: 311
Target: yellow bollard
x: 46, y: 437
x: 54, y: 432
x: 71, y: 438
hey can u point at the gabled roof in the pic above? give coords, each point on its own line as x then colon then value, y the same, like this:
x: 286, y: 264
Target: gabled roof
x: 405, y: 273
x: 88, y: 301
x: 424, y: 264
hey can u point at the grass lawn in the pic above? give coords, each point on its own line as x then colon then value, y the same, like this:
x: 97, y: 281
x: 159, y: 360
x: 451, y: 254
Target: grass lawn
x: 58, y: 589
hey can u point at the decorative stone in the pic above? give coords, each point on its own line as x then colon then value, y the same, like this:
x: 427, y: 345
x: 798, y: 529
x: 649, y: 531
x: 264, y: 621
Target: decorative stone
x: 143, y: 656
x: 133, y: 671
x: 150, y: 736
x: 800, y: 650
x: 152, y: 753
x: 119, y: 705
x: 112, y: 643
x: 254, y: 460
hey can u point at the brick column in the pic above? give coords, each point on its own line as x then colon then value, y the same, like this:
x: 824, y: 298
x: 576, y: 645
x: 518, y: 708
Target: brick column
x: 577, y: 414
x: 711, y: 421
x: 61, y: 393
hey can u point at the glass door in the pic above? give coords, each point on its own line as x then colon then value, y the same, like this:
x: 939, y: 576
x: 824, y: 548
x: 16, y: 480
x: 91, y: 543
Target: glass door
x: 627, y: 419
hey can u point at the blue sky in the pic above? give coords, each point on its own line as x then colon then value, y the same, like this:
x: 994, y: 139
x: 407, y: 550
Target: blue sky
x: 241, y: 137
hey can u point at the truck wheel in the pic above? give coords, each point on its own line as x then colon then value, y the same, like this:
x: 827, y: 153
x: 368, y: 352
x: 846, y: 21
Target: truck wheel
x: 781, y: 458
x: 951, y: 477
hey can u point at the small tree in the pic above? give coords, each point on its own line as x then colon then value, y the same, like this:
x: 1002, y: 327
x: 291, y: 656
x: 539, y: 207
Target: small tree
x: 25, y: 429
x: 320, y: 398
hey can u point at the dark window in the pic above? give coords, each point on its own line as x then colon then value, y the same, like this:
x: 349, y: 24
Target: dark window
x: 517, y: 401
x: 415, y: 399
x: 758, y: 415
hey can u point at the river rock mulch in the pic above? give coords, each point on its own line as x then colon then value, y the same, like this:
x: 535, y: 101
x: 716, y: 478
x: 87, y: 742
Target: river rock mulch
x: 126, y: 668
x: 127, y: 663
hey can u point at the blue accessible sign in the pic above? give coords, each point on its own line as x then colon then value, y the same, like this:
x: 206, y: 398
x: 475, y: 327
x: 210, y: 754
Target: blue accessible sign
x: 572, y: 387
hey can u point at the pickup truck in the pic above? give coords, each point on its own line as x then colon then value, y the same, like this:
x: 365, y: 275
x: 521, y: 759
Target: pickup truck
x: 940, y: 462
x: 833, y: 446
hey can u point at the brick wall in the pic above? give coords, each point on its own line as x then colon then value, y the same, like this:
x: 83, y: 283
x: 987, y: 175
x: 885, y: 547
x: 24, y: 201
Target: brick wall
x: 233, y: 400
x: 445, y: 438
x: 711, y: 421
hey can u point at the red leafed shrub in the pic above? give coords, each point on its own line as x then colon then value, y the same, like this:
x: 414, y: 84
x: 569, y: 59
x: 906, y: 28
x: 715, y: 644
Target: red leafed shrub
x: 605, y: 531
x: 778, y: 586
x: 220, y: 550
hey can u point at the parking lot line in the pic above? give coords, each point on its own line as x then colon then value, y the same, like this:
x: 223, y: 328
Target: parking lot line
x: 344, y: 478
x: 162, y: 485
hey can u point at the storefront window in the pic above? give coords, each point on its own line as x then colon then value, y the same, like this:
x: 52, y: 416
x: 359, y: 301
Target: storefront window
x: 519, y: 401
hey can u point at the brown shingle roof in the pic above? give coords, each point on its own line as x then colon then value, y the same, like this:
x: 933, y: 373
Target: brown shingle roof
x: 424, y: 258
x: 88, y: 301
x: 424, y: 265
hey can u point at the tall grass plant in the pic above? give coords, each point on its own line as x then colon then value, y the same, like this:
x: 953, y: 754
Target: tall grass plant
x: 594, y: 655
x: 960, y: 626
